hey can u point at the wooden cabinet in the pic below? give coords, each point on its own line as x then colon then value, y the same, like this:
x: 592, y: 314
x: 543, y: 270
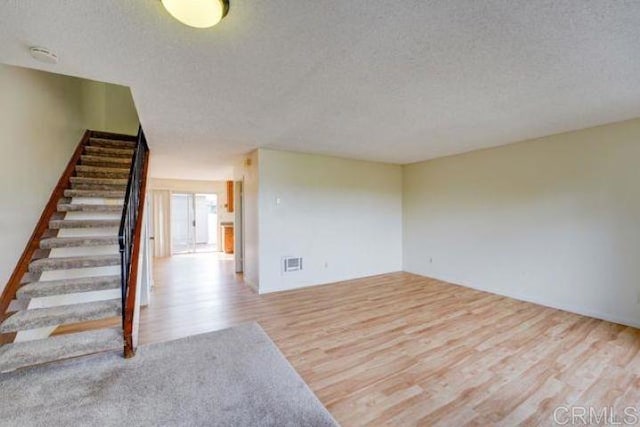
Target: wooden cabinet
x: 227, y: 238
x: 229, y: 196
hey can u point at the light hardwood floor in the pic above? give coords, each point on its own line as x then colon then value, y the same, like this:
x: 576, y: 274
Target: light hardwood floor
x: 401, y: 349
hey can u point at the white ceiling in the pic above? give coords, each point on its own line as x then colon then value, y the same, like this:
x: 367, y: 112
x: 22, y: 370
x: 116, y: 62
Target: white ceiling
x: 393, y: 81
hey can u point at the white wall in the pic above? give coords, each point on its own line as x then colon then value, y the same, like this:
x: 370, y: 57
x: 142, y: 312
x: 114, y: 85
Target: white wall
x: 248, y: 173
x: 554, y: 221
x: 41, y: 122
x: 344, y: 217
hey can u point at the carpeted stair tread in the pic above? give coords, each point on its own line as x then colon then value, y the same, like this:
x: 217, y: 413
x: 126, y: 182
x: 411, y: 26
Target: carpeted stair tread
x: 60, y: 315
x: 105, y: 161
x: 85, y: 207
x: 109, y: 151
x: 68, y: 286
x: 74, y: 242
x: 56, y: 224
x: 65, y: 263
x: 99, y: 187
x: 28, y: 353
x: 99, y: 181
x: 111, y: 143
x: 96, y: 171
x: 17, y: 305
x: 28, y: 278
x: 106, y: 194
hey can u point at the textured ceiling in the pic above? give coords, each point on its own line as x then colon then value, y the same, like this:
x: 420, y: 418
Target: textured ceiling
x: 393, y: 81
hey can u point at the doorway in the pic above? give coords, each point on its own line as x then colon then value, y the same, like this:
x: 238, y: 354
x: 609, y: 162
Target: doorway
x: 194, y: 223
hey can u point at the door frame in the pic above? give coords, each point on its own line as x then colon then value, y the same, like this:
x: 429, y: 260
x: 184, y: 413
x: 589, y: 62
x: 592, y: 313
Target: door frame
x: 238, y: 229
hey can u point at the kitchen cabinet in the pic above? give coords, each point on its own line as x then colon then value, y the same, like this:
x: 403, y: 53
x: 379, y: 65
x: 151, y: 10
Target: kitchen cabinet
x: 227, y: 237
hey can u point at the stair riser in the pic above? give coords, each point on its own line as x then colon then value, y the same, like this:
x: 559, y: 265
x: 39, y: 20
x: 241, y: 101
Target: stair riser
x: 90, y: 208
x: 60, y: 300
x: 83, y: 251
x: 95, y: 193
x: 88, y: 232
x: 101, y: 216
x: 103, y: 174
x: 106, y: 159
x: 109, y: 169
x: 116, y: 156
x: 109, y: 152
x: 102, y: 181
x: 98, y: 187
x: 80, y: 273
x: 102, y: 164
x: 108, y: 143
x: 120, y: 161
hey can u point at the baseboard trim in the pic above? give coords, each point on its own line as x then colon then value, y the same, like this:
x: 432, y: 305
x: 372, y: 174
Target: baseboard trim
x: 252, y: 286
x: 526, y: 298
x: 313, y: 285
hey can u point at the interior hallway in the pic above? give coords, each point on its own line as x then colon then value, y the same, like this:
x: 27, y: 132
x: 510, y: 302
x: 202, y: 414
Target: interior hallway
x: 192, y: 294
x: 401, y: 348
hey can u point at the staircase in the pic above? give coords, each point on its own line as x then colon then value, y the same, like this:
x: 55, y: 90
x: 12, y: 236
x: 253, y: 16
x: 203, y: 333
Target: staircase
x: 65, y: 298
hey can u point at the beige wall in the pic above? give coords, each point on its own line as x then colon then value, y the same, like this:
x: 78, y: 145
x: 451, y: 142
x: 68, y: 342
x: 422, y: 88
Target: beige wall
x: 109, y: 107
x: 554, y: 221
x: 185, y: 185
x: 42, y: 119
x: 41, y: 124
x: 344, y: 217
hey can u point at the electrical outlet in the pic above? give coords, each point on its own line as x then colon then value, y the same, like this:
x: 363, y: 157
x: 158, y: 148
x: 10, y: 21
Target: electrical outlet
x: 326, y: 264
x: 430, y: 260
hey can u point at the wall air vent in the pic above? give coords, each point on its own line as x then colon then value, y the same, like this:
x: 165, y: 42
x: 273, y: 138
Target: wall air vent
x: 290, y: 264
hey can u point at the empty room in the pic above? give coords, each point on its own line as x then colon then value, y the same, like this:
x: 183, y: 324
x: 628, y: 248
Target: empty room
x: 302, y: 213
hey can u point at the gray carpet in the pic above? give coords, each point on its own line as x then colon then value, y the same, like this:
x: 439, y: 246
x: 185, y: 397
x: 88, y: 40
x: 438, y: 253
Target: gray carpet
x: 234, y: 377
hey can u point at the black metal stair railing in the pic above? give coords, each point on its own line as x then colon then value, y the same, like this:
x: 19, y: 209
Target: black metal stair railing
x: 130, y: 214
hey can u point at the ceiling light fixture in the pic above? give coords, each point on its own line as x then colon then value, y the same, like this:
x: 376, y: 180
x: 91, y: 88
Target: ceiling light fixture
x: 197, y: 13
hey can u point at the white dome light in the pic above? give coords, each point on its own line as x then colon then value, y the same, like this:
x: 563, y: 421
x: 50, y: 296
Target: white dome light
x: 197, y: 13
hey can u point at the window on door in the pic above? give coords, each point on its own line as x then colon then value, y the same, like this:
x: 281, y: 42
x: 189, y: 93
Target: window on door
x: 194, y: 223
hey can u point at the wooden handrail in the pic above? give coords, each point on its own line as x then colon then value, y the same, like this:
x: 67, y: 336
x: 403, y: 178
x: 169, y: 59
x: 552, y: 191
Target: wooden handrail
x: 9, y: 292
x: 132, y: 287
